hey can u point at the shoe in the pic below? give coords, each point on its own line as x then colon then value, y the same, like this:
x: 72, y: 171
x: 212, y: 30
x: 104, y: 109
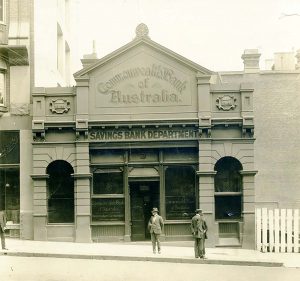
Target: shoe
x: 196, y: 257
x: 4, y: 249
x: 159, y: 252
x: 154, y: 252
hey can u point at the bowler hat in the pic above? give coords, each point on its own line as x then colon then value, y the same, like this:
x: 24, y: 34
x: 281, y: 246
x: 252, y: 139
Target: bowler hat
x: 198, y: 211
x: 154, y: 210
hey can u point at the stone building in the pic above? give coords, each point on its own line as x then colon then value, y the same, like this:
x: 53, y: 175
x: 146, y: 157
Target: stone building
x: 25, y: 61
x: 145, y: 127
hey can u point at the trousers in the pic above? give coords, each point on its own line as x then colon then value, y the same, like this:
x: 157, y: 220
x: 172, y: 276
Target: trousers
x: 199, y: 247
x: 155, y: 238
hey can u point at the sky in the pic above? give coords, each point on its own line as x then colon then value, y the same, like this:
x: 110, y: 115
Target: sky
x: 211, y: 33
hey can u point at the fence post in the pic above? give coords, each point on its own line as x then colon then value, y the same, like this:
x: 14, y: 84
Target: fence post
x: 264, y: 229
x: 276, y: 230
x: 258, y: 229
x: 282, y: 230
x: 296, y: 231
x: 289, y: 220
x: 271, y: 231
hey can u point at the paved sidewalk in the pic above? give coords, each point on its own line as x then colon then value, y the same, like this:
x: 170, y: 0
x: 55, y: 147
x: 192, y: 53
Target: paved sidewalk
x: 180, y: 252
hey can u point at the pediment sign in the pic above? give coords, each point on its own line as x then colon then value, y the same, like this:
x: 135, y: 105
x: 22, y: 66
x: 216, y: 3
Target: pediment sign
x: 143, y: 80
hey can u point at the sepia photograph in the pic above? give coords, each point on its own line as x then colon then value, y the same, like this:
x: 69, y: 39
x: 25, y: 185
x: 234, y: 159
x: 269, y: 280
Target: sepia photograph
x: 149, y: 140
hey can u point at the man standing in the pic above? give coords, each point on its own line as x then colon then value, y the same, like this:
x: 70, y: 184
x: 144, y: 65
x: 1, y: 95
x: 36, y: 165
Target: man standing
x: 2, y: 229
x: 155, y: 227
x: 199, y: 230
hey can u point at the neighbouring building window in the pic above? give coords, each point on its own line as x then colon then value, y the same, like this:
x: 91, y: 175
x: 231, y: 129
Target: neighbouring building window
x: 10, y: 175
x: 2, y: 11
x: 228, y: 189
x: 60, y: 192
x: 180, y: 185
x: 2, y: 89
x: 108, y: 202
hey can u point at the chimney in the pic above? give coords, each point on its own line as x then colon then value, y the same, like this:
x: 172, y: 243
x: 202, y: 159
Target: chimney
x: 251, y: 60
x: 89, y: 59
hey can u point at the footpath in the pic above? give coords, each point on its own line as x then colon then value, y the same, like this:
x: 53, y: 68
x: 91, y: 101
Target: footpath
x: 174, y: 252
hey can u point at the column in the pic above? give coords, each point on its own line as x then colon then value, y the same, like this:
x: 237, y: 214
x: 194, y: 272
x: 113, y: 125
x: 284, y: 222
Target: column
x: 248, y: 229
x: 82, y: 194
x: 127, y: 236
x: 40, y: 207
x: 26, y: 186
x: 206, y: 176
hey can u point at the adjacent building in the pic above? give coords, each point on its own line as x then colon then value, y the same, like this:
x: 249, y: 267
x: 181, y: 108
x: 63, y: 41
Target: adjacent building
x: 29, y: 29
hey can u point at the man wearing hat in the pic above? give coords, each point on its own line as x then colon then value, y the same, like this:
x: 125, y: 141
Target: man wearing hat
x: 155, y: 227
x: 199, y: 230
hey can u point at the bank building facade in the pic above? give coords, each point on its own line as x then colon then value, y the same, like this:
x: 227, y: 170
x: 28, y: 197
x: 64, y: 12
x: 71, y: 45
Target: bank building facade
x: 144, y: 127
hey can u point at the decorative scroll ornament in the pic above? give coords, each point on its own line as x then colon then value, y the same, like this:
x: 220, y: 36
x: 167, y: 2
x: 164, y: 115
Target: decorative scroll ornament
x: 226, y: 102
x: 59, y: 106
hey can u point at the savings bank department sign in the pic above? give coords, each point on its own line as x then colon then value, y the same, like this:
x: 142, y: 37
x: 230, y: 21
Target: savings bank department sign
x: 154, y: 85
x: 119, y: 135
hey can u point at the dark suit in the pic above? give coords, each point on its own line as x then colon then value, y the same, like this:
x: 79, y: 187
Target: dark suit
x: 2, y: 228
x: 199, y: 230
x: 155, y: 227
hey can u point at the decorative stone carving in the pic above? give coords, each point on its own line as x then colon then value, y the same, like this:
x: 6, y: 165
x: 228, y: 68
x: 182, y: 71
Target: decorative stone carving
x: 19, y: 109
x: 59, y: 106
x: 226, y: 102
x: 142, y: 30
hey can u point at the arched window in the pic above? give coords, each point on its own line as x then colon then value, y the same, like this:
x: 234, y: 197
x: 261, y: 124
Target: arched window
x: 60, y: 192
x: 228, y: 189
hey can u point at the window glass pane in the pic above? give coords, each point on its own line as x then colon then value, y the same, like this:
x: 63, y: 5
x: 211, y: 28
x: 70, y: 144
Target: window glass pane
x: 108, y: 209
x: 60, y: 193
x: 61, y: 210
x: 1, y: 10
x: 228, y: 178
x: 2, y: 88
x: 9, y: 147
x: 228, y: 207
x: 108, y: 182
x: 10, y: 193
x: 180, y: 193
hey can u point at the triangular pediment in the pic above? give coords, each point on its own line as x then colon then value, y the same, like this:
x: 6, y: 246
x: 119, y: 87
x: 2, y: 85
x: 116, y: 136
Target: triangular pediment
x: 139, y: 43
x: 141, y: 80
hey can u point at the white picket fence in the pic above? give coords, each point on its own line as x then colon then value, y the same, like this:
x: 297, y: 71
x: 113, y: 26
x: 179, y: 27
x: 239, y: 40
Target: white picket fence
x: 277, y: 230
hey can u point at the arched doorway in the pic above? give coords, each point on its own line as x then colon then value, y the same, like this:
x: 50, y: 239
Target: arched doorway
x: 228, y: 198
x: 60, y: 192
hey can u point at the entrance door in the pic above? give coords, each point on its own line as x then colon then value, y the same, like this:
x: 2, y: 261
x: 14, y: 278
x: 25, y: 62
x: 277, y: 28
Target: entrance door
x: 144, y: 196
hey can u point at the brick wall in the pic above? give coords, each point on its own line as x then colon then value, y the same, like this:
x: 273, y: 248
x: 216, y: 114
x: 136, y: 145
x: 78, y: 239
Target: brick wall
x: 277, y: 133
x: 277, y: 145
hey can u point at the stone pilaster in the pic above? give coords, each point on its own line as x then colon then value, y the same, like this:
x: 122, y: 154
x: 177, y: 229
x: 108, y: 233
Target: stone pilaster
x: 248, y: 227
x: 26, y: 186
x: 127, y: 236
x: 40, y: 207
x: 206, y: 176
x: 82, y: 194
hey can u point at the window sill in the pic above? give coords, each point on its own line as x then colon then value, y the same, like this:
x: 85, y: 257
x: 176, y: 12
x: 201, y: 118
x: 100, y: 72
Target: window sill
x: 103, y: 196
x: 228, y: 193
x: 107, y: 223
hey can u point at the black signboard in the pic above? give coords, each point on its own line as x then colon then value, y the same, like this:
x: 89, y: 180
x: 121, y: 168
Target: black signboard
x: 180, y: 207
x: 108, y: 209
